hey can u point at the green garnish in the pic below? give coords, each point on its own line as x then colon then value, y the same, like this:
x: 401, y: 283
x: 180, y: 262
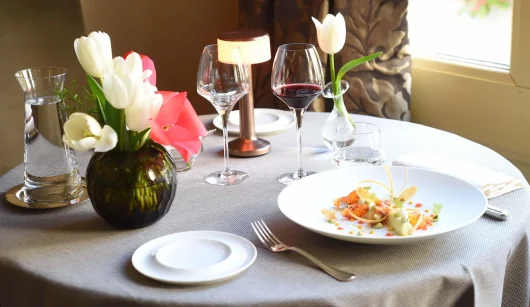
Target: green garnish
x: 398, y: 203
x: 366, y: 188
x: 436, y: 208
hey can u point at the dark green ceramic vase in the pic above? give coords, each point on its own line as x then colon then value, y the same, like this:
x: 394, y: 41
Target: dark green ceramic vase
x: 132, y: 189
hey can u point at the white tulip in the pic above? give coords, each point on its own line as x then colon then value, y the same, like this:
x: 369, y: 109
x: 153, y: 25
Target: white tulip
x: 107, y: 140
x: 331, y: 34
x: 122, y: 79
x: 145, y: 106
x: 94, y: 53
x: 131, y: 65
x: 82, y: 132
x: 117, y: 91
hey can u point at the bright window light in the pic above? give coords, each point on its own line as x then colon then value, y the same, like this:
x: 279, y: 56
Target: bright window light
x: 474, y: 31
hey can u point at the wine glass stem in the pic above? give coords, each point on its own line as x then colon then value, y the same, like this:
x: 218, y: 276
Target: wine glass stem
x: 299, y: 115
x: 224, y: 117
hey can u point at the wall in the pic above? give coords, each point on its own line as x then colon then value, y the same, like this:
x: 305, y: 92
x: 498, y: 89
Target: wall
x: 172, y: 32
x: 32, y: 33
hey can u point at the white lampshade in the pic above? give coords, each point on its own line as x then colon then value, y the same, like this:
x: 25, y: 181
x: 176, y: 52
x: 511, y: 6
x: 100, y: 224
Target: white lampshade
x: 254, y: 45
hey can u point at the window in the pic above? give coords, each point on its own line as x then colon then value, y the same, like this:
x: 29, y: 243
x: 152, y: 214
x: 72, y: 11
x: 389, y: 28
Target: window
x: 472, y: 77
x: 470, y: 30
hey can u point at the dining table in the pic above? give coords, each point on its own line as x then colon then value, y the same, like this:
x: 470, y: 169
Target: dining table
x: 71, y: 257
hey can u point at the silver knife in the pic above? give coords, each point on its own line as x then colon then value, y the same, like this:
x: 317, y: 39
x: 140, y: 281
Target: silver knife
x: 496, y: 213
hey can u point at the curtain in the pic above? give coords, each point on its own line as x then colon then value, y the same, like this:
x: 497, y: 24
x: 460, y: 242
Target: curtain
x: 380, y: 88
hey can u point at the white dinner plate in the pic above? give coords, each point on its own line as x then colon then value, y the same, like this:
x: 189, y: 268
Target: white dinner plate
x: 302, y: 201
x: 195, y: 257
x: 267, y: 121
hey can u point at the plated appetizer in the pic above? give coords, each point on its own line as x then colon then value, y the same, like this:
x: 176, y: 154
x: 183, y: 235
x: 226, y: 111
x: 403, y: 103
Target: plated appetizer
x: 396, y: 211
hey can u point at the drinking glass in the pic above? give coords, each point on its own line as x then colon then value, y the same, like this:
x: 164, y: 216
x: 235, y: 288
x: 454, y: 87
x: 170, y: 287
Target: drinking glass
x: 297, y: 79
x: 363, y: 146
x: 223, y: 78
x: 51, y: 174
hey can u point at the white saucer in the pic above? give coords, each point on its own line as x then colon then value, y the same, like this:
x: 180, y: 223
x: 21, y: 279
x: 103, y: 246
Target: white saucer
x: 267, y: 121
x: 195, y: 257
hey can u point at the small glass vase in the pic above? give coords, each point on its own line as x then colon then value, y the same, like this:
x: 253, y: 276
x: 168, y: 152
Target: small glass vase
x: 132, y: 189
x: 339, y: 129
x: 180, y: 164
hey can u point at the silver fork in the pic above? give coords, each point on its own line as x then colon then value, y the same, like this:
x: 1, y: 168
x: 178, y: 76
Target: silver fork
x: 274, y: 244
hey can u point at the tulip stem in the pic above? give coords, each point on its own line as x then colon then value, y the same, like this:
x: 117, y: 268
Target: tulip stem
x: 338, y: 101
x: 123, y: 139
x: 332, y: 71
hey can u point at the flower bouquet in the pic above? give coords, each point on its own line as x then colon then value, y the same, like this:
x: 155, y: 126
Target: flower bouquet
x: 131, y: 179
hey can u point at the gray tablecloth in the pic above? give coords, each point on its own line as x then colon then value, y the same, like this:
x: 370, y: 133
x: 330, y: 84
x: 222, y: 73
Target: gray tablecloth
x: 70, y: 257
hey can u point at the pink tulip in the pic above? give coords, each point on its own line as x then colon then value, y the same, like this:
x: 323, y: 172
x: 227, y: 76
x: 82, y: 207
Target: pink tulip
x: 178, y: 125
x: 147, y: 63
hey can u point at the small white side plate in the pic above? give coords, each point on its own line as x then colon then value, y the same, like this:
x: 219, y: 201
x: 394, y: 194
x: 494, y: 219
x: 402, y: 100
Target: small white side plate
x: 267, y: 121
x: 195, y: 257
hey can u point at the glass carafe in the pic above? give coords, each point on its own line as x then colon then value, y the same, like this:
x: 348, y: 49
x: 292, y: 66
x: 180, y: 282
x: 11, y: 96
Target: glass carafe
x: 50, y: 167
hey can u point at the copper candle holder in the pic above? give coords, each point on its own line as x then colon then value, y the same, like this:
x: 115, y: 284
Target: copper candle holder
x: 255, y: 46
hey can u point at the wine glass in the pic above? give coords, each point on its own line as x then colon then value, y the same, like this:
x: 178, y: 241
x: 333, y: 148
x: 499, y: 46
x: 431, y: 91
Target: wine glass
x: 223, y: 78
x: 297, y: 79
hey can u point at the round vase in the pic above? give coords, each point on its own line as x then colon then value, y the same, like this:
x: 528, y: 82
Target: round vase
x: 339, y: 129
x: 132, y: 189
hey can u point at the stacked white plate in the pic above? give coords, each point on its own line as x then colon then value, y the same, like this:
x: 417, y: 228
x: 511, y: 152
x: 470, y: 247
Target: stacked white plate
x: 195, y: 257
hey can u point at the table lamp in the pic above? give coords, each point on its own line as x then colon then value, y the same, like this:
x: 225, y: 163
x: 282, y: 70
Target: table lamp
x: 255, y: 47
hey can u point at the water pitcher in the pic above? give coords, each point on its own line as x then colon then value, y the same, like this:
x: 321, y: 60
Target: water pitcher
x: 50, y: 168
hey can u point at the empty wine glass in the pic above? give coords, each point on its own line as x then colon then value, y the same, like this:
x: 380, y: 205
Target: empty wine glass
x: 297, y: 79
x: 223, y: 78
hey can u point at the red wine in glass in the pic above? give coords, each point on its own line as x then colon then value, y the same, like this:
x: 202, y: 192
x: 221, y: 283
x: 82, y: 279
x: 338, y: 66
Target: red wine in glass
x: 297, y: 79
x: 298, y: 95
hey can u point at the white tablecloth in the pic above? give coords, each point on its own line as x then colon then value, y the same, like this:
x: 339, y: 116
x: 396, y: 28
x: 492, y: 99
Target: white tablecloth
x: 70, y: 257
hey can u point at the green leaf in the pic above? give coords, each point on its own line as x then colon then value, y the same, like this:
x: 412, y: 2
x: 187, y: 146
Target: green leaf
x: 366, y: 188
x: 436, y: 208
x: 100, y: 98
x: 115, y: 118
x: 137, y: 140
x: 398, y: 203
x: 351, y: 64
x: 101, y: 109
